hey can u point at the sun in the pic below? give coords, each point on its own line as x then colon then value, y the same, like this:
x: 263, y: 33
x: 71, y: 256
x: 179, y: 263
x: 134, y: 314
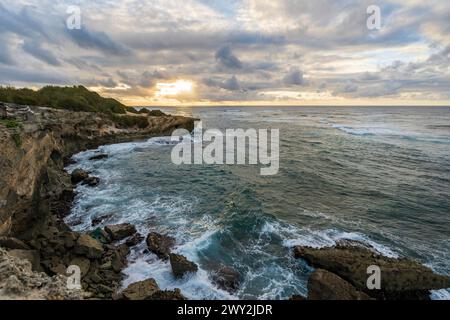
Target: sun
x: 179, y: 87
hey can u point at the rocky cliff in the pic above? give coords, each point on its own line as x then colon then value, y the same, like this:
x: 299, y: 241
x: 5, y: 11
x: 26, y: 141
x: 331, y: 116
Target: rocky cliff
x: 36, y: 193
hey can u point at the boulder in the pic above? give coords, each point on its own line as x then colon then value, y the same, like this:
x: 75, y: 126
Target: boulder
x: 142, y: 290
x: 181, y: 266
x: 99, y: 157
x: 88, y: 247
x: 324, y: 285
x: 100, y: 235
x: 120, y: 231
x: 167, y: 295
x: 228, y: 279
x: 31, y: 255
x: 96, y: 221
x: 83, y: 263
x: 400, y: 278
x: 79, y: 175
x: 160, y: 244
x: 134, y: 240
x: 13, y: 243
x: 91, y: 181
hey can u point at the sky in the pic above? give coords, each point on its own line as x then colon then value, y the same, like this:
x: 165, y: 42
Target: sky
x: 232, y: 52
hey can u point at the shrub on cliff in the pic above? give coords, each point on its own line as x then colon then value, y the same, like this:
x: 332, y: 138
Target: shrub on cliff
x: 76, y: 98
x: 124, y: 121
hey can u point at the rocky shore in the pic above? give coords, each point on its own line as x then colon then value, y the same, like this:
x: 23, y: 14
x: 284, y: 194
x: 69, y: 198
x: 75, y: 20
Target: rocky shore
x: 342, y: 273
x: 36, y: 246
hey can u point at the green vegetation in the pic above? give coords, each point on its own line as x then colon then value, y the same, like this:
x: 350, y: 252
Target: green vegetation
x: 76, y: 98
x: 129, y: 121
x: 10, y: 123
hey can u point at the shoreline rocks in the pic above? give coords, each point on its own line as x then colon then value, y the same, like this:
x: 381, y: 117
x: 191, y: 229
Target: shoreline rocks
x: 181, y: 265
x: 160, y: 245
x: 401, y: 279
x: 120, y: 231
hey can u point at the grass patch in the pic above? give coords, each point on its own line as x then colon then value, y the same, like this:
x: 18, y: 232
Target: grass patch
x: 10, y: 123
x: 76, y: 98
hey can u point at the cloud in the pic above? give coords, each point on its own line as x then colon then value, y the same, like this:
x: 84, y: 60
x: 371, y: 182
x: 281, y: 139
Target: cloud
x: 294, y: 78
x: 35, y: 49
x: 97, y: 40
x: 234, y: 50
x: 231, y: 84
x: 227, y: 59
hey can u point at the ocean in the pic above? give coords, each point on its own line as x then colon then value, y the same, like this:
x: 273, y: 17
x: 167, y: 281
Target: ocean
x: 380, y: 175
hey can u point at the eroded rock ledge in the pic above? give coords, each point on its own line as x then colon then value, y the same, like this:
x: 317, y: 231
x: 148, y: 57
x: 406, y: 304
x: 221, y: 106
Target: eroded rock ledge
x: 342, y: 273
x: 36, y: 193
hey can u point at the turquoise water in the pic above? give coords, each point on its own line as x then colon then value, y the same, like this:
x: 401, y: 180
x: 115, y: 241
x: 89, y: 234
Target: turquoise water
x: 378, y: 175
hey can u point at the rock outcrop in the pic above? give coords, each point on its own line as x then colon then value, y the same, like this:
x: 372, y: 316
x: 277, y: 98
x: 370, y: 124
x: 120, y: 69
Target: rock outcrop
x: 120, y: 231
x: 400, y: 278
x: 19, y: 282
x: 160, y: 244
x: 227, y: 278
x: 324, y: 285
x: 36, y: 193
x: 181, y: 265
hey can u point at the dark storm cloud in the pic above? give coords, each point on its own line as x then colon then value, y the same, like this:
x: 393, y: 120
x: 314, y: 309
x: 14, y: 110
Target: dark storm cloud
x: 227, y: 59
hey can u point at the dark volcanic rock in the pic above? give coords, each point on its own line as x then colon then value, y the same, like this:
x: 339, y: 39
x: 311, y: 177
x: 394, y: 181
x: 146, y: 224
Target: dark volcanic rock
x: 79, y: 175
x: 99, y: 157
x: 142, y: 290
x: 160, y: 244
x: 324, y: 285
x: 120, y: 231
x: 13, y: 243
x: 400, y: 278
x: 227, y: 279
x: 91, y: 181
x: 181, y: 265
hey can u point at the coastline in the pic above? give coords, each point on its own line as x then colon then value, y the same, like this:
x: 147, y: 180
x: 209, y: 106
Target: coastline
x: 38, y: 194
x: 51, y: 245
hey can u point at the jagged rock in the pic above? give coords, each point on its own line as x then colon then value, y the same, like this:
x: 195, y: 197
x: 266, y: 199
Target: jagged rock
x: 96, y: 221
x: 83, y: 263
x: 120, y: 231
x: 31, y: 255
x: 181, y: 266
x: 160, y: 244
x: 167, y: 295
x: 99, y: 157
x: 324, y: 285
x: 118, y: 261
x: 13, y: 243
x: 100, y: 235
x: 88, y: 247
x: 91, y: 181
x: 142, y: 290
x: 79, y: 175
x: 400, y: 278
x: 227, y: 279
x: 19, y: 282
x: 134, y: 240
